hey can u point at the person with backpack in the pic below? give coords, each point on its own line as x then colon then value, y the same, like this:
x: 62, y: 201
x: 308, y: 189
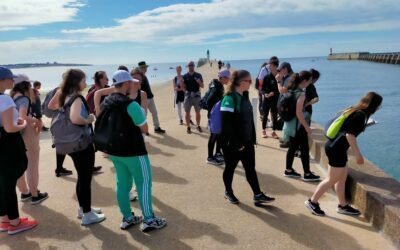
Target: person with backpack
x: 37, y: 104
x: 179, y: 92
x: 301, y: 127
x: 238, y: 136
x: 22, y: 94
x: 100, y: 82
x: 123, y: 141
x: 218, y: 94
x: 283, y: 77
x: 13, y: 159
x: 336, y: 150
x: 72, y: 131
x: 311, y: 92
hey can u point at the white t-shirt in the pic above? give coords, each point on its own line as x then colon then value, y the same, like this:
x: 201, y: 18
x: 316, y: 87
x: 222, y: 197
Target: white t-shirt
x: 263, y: 72
x: 7, y: 102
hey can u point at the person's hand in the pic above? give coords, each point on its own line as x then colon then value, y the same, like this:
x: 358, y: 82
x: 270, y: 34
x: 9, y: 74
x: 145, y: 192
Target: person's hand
x: 90, y: 119
x: 21, y: 122
x: 359, y: 159
x: 308, y: 130
x: 198, y: 80
x: 241, y: 149
x: 279, y: 77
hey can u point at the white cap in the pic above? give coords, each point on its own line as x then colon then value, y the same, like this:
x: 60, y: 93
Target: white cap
x: 121, y: 76
x: 21, y: 78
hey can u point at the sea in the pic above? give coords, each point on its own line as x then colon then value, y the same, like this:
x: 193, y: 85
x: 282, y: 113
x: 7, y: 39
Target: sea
x: 342, y: 84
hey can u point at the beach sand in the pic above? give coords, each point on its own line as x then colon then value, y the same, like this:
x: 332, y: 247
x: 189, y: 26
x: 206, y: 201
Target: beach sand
x: 189, y: 194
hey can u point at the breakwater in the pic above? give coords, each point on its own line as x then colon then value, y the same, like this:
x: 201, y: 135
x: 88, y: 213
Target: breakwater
x: 390, y: 58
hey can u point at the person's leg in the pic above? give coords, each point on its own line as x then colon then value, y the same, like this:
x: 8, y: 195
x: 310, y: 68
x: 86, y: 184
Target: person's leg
x: 231, y: 161
x: 302, y: 139
x: 211, y: 143
x: 340, y: 187
x: 249, y: 165
x: 9, y: 206
x: 334, y: 175
x: 22, y: 186
x: 274, y: 116
x: 260, y: 101
x: 198, y: 117
x: 31, y: 140
x: 219, y: 146
x: 187, y: 106
x: 196, y: 105
x: 290, y: 153
x: 124, y: 181
x: 179, y: 108
x: 60, y: 161
x: 153, y: 109
x: 265, y: 108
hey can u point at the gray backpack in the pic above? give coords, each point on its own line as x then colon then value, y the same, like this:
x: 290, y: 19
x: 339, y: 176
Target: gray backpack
x: 67, y: 137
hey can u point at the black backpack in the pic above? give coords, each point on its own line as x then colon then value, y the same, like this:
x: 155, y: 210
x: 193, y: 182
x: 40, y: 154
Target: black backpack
x: 115, y: 132
x: 287, y: 105
x: 208, y: 100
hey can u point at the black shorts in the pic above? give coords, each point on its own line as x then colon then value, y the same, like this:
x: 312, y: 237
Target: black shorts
x: 337, y: 157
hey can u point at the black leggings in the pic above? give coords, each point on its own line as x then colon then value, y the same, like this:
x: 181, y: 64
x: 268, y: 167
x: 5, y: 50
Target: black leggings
x: 260, y: 101
x: 84, y: 163
x: 247, y: 157
x: 214, y: 139
x: 299, y: 141
x: 60, y: 161
x: 267, y: 106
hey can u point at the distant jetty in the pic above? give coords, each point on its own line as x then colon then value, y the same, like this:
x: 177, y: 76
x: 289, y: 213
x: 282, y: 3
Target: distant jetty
x: 390, y: 58
x: 39, y: 65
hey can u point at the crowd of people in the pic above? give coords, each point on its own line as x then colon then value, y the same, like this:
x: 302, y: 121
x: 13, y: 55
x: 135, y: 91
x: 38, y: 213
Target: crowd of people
x: 120, y: 112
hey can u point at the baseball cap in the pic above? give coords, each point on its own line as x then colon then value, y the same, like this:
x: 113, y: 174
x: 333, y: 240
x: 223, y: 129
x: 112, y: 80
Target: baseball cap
x: 5, y: 73
x: 224, y: 73
x: 21, y: 78
x: 121, y: 76
x: 285, y: 65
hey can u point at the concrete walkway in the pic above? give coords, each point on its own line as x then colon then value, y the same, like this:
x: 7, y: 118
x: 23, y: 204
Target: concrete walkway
x: 189, y: 193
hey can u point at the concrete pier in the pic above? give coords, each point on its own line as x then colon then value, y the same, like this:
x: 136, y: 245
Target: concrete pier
x: 390, y: 58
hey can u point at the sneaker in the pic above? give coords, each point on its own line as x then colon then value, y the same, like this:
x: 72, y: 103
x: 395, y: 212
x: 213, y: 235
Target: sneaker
x: 133, y: 220
x: 5, y: 225
x: 284, y: 144
x: 219, y: 157
x: 314, y: 208
x: 147, y: 134
x: 63, y: 172
x: 92, y: 218
x: 262, y: 198
x: 26, y: 197
x: 199, y: 129
x: 274, y: 135
x: 264, y: 134
x: 159, y: 130
x: 93, y: 209
x: 181, y: 122
x: 292, y: 174
x: 152, y: 224
x: 132, y: 196
x: 188, y: 130
x: 231, y: 198
x: 97, y: 169
x: 349, y: 210
x: 23, y: 225
x: 45, y: 129
x: 39, y: 198
x: 213, y: 161
x: 310, y: 177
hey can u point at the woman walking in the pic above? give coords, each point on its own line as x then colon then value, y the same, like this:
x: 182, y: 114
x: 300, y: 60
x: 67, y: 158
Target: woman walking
x: 336, y: 151
x: 238, y: 136
x: 179, y: 92
x: 13, y: 159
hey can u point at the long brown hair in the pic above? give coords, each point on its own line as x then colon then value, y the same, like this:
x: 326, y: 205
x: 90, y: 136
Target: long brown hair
x: 369, y: 103
x: 23, y: 88
x: 297, y: 78
x: 235, y: 80
x: 70, y: 84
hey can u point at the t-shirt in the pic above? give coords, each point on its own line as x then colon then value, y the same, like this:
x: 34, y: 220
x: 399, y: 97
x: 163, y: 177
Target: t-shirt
x: 22, y: 102
x: 145, y: 86
x: 190, y: 82
x: 263, y: 72
x: 311, y: 93
x: 136, y: 113
x: 7, y: 102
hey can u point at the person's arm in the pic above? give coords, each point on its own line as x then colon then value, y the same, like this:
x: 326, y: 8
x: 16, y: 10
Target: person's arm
x: 98, y: 95
x: 199, y: 81
x: 144, y: 101
x: 174, y: 87
x: 279, y: 81
x: 313, y: 101
x: 300, y: 115
x: 8, y: 121
x: 138, y: 117
x: 75, y: 114
x: 354, y: 146
x: 228, y: 136
x: 54, y: 103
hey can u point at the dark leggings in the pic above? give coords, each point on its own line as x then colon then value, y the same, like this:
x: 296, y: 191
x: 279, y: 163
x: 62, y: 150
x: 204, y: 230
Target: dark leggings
x: 60, y: 161
x: 267, y: 106
x: 214, y: 139
x: 299, y: 141
x: 247, y: 157
x: 260, y: 101
x: 84, y: 163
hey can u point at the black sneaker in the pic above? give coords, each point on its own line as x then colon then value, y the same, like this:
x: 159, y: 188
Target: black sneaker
x: 63, y: 172
x: 219, y: 157
x: 231, y: 198
x: 189, y: 130
x: 347, y: 210
x: 26, y: 197
x: 45, y: 129
x: 284, y: 144
x: 310, y: 177
x: 199, y: 129
x: 262, y: 198
x: 39, y: 198
x: 213, y: 161
x: 314, y: 208
x: 147, y: 133
x: 159, y: 130
x: 292, y: 174
x: 133, y: 220
x: 181, y: 122
x: 97, y: 169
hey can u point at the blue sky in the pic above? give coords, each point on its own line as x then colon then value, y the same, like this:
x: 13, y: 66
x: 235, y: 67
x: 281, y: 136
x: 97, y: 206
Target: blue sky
x: 126, y: 31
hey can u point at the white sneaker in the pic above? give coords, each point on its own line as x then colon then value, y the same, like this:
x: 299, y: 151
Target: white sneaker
x: 132, y: 196
x: 133, y: 220
x: 92, y: 218
x: 94, y: 209
x: 152, y: 224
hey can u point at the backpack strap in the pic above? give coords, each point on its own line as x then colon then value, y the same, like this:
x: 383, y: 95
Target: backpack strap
x: 67, y: 106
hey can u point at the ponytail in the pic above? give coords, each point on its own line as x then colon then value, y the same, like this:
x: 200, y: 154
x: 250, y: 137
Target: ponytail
x: 297, y: 78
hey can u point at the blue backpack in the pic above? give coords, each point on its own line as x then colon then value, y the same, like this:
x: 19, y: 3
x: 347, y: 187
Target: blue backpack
x: 216, y: 119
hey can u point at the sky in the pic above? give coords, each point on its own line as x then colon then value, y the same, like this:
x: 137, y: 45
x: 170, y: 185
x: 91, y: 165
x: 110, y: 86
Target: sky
x: 128, y: 31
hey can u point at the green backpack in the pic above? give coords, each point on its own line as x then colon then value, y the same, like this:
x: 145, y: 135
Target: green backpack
x: 333, y: 126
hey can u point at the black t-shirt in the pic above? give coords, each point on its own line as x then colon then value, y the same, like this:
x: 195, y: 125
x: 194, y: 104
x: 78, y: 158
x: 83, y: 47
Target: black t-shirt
x: 146, y: 87
x: 190, y: 82
x: 311, y: 93
x: 354, y: 124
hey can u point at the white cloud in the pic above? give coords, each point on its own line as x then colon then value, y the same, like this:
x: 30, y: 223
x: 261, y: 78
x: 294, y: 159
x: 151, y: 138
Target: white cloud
x: 237, y: 20
x: 18, y: 14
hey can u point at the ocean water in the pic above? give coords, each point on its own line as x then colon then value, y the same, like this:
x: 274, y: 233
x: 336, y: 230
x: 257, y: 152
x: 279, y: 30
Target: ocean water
x: 343, y: 83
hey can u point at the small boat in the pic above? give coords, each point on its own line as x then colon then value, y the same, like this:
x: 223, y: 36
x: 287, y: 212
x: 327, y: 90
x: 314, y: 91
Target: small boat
x: 171, y: 67
x: 155, y: 69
